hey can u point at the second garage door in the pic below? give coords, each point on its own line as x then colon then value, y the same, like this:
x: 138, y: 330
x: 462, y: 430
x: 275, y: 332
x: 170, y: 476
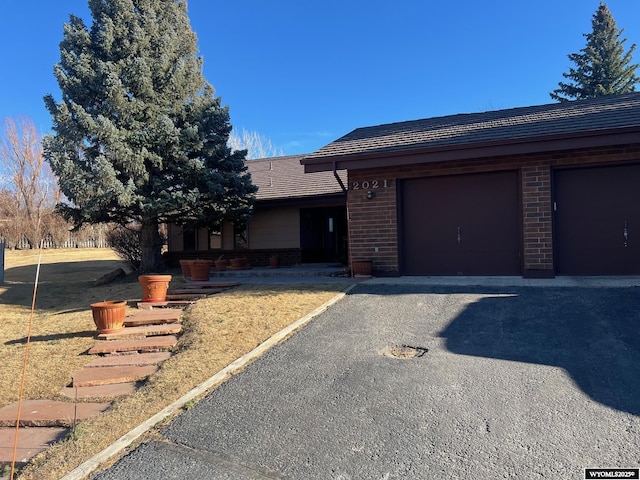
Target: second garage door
x: 461, y: 225
x: 597, y: 224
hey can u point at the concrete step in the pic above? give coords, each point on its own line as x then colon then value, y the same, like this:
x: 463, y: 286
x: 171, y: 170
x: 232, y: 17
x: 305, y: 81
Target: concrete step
x: 133, y: 359
x: 113, y: 390
x: 149, y: 344
x: 324, y: 270
x: 31, y: 441
x: 91, y: 376
x: 49, y: 413
x: 142, y: 331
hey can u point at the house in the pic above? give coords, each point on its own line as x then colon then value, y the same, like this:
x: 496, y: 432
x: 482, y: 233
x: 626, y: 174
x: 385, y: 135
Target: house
x: 537, y: 191
x: 298, y: 217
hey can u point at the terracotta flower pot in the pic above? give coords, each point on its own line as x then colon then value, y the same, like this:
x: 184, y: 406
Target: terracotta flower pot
x: 185, y: 265
x: 221, y: 265
x: 362, y: 268
x: 201, y: 270
x: 109, y: 315
x: 238, y: 263
x: 154, y: 287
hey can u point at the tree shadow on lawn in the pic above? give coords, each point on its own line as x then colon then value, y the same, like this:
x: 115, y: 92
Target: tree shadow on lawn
x: 52, y: 337
x: 591, y: 333
x: 65, y: 285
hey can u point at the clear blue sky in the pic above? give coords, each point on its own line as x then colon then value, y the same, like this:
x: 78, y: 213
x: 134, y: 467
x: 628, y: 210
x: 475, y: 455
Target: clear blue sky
x: 304, y: 73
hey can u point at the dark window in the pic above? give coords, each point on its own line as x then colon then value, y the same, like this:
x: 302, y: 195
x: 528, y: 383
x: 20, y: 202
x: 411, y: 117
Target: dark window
x: 240, y: 236
x: 189, y: 238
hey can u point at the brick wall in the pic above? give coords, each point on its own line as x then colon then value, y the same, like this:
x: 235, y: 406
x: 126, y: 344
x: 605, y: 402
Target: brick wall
x: 373, y: 222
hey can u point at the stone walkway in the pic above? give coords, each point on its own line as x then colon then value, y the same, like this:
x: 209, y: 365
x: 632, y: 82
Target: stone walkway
x: 123, y: 360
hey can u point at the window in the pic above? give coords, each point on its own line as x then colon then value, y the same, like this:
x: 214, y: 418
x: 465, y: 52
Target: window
x: 189, y: 238
x: 215, y: 237
x: 240, y: 236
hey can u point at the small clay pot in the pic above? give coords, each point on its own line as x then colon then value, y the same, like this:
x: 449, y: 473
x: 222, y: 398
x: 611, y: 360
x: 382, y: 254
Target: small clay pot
x: 109, y: 315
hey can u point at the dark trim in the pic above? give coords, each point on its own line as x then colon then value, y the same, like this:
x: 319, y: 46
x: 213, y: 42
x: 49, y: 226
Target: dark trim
x: 335, y: 199
x: 412, y: 155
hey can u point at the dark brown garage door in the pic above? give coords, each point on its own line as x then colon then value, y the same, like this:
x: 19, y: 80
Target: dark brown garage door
x: 461, y: 225
x: 597, y: 221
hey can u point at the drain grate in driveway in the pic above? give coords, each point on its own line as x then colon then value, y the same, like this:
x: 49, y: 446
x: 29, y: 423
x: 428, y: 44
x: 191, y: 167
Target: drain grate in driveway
x: 404, y: 351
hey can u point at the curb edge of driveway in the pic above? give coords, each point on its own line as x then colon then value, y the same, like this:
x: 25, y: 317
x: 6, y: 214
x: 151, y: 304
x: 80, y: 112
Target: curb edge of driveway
x: 90, y: 465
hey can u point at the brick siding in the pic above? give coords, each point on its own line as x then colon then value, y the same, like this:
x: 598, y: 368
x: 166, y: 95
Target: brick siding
x: 373, y: 222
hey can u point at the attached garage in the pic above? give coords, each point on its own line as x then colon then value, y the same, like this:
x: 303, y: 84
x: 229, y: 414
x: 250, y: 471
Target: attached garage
x: 461, y: 225
x: 535, y: 191
x: 597, y: 220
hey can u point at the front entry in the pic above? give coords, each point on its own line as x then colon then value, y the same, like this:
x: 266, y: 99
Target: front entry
x: 461, y: 225
x: 323, y: 234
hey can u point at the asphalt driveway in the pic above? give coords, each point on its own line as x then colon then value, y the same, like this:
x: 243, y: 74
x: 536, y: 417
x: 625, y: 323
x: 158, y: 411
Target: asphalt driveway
x: 511, y: 382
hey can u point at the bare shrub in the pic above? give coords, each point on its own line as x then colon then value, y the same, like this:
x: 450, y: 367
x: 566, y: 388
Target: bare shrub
x: 125, y: 241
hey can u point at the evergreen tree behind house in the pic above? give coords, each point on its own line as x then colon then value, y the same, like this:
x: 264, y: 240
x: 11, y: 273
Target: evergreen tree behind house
x: 139, y: 136
x: 602, y: 67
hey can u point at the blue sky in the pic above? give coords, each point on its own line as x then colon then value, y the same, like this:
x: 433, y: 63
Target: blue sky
x: 305, y: 73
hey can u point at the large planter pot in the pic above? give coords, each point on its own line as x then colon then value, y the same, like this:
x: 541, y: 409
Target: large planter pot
x: 201, y: 270
x: 109, y: 315
x: 221, y: 264
x: 274, y: 261
x: 362, y: 268
x: 185, y: 265
x: 238, y: 263
x: 154, y: 287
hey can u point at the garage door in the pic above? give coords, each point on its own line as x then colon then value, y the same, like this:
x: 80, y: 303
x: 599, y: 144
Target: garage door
x: 597, y: 221
x: 461, y: 225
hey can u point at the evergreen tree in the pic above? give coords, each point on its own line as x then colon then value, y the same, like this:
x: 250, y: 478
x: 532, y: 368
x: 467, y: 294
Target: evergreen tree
x: 602, y: 67
x: 139, y: 134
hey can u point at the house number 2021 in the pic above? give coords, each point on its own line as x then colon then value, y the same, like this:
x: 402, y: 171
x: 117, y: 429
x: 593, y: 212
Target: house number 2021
x: 370, y: 184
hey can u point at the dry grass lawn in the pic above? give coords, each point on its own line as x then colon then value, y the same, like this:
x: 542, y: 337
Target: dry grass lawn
x: 216, y: 331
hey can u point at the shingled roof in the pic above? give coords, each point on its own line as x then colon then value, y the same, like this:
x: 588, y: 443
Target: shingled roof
x: 517, y: 126
x: 282, y: 178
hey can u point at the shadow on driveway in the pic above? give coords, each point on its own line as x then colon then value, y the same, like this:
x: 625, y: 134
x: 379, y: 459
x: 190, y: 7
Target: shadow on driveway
x: 591, y: 333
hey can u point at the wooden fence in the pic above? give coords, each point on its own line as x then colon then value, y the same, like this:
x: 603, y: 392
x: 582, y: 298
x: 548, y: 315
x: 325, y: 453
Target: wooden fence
x: 73, y: 241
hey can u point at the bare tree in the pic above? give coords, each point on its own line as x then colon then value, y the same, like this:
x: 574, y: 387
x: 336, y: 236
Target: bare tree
x: 10, y: 230
x: 30, y: 190
x: 256, y: 144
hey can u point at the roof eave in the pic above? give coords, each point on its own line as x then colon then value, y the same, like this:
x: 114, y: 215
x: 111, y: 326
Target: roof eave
x: 518, y: 146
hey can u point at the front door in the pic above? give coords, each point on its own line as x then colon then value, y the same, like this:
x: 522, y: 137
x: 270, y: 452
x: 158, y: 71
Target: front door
x: 323, y: 234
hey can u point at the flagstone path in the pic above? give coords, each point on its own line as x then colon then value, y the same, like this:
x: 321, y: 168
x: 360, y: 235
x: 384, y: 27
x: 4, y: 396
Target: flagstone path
x: 123, y: 360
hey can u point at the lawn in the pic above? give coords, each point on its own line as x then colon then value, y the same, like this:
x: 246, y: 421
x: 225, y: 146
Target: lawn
x: 216, y: 331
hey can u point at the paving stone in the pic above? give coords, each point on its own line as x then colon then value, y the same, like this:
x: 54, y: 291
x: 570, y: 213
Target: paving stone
x: 31, y: 441
x: 49, y: 413
x: 194, y: 291
x: 142, y: 331
x: 112, y: 390
x: 194, y: 285
x: 131, y: 359
x: 188, y: 297
x: 153, y: 317
x: 149, y: 344
x: 90, y: 377
x: 167, y: 304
